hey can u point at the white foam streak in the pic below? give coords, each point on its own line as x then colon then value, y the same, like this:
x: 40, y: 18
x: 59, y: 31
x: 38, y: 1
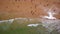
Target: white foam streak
x: 10, y: 21
x: 34, y: 25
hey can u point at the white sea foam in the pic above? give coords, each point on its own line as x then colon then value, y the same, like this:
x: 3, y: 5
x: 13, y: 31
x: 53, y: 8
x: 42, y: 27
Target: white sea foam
x: 34, y: 25
x: 50, y: 16
x: 50, y: 13
x: 10, y: 21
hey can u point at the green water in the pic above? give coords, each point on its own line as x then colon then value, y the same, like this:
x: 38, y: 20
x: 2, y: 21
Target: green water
x: 21, y: 28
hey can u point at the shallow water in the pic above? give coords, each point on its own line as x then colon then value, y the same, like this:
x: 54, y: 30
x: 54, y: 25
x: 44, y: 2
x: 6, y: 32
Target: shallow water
x: 29, y: 26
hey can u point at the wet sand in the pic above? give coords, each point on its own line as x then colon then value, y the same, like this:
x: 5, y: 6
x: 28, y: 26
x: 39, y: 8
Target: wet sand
x: 28, y: 8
